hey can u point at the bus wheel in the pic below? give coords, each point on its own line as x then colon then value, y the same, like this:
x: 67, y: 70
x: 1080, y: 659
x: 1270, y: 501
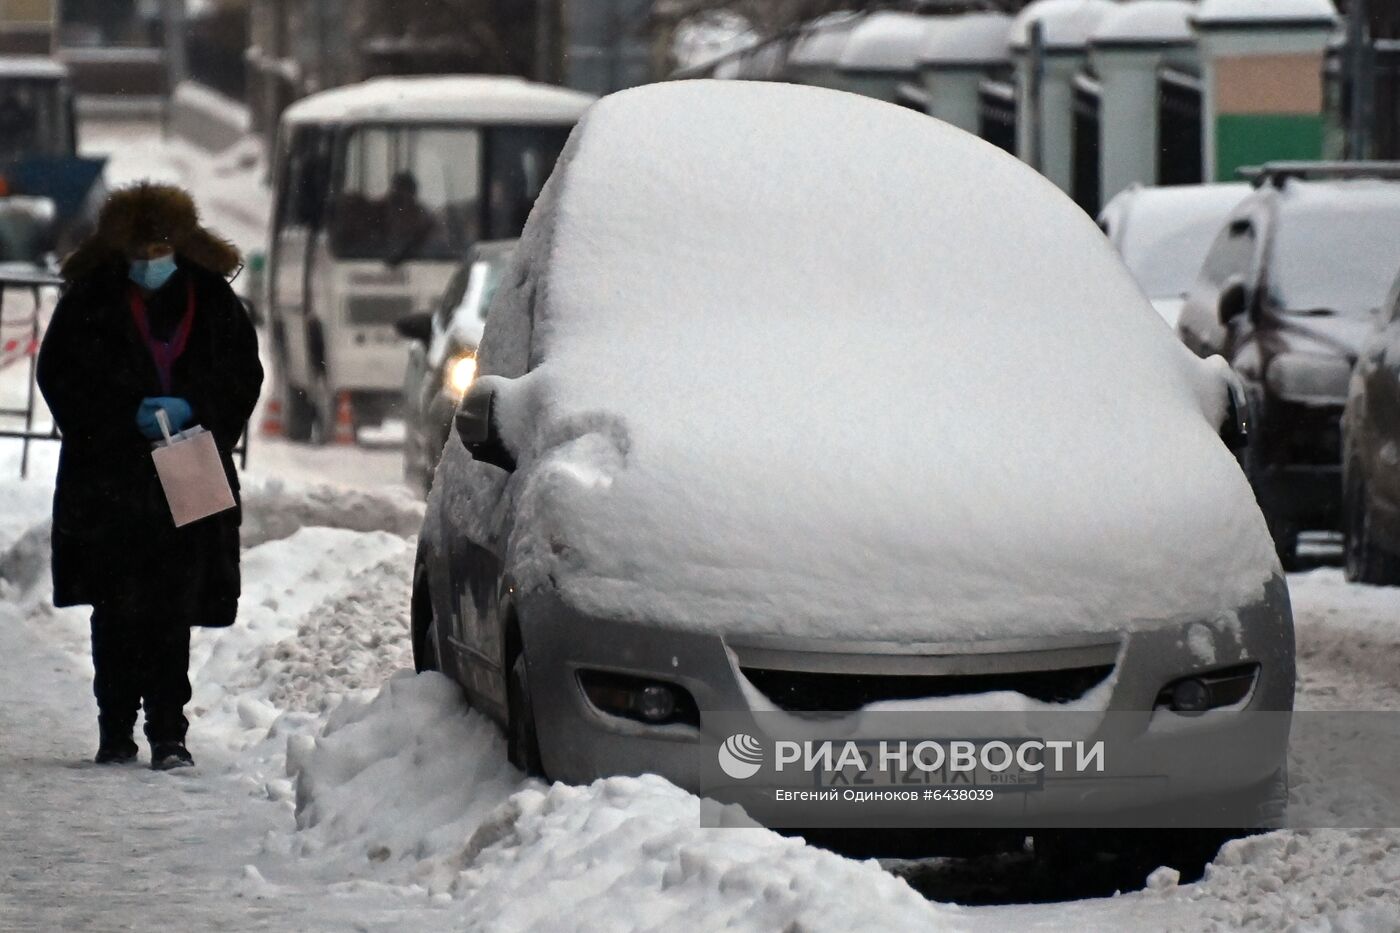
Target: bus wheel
x: 298, y: 415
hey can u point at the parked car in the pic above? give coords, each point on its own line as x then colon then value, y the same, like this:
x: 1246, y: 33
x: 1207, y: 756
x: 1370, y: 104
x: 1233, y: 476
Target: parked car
x: 442, y: 357
x: 1163, y: 234
x: 890, y: 424
x: 1286, y: 295
x: 1371, y: 454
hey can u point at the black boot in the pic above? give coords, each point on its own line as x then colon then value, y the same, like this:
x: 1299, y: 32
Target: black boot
x: 166, y: 756
x: 115, y: 746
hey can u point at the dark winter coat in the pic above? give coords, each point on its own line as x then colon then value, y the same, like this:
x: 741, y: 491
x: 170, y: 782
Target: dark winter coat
x: 113, y: 537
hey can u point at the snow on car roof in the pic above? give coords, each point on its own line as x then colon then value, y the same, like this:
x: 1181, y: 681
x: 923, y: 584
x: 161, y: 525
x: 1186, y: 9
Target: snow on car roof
x: 1165, y: 233
x: 1229, y: 11
x: 1157, y: 21
x: 886, y: 41
x: 1068, y: 23
x: 976, y: 38
x: 31, y: 66
x: 468, y: 98
x: 885, y: 382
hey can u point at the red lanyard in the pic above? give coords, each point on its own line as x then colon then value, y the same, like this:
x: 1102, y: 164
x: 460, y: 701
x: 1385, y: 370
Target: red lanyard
x: 164, y: 352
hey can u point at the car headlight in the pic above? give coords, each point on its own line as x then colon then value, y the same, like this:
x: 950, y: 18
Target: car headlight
x: 1309, y: 378
x: 459, y: 373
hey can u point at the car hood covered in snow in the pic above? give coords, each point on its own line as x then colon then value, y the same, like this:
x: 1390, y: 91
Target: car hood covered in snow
x: 804, y: 363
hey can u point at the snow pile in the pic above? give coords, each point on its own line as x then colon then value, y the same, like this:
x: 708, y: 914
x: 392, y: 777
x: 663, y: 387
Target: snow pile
x: 273, y: 509
x: 414, y: 788
x: 395, y: 787
x: 288, y: 646
x: 1324, y: 881
x: 918, y: 442
x: 629, y: 853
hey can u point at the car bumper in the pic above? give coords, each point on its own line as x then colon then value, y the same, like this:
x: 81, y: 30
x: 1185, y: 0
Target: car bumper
x: 1176, y: 758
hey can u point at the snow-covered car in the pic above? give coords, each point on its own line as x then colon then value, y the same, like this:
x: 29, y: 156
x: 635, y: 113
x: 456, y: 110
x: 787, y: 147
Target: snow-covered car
x: 1286, y: 294
x: 1163, y: 235
x: 772, y: 417
x: 442, y: 357
x: 1371, y: 453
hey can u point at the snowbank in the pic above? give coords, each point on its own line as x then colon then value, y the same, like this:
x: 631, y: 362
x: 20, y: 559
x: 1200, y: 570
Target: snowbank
x: 913, y: 396
x: 413, y: 787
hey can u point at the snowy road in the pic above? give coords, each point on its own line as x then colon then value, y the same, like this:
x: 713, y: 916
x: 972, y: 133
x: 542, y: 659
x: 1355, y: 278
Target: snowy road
x: 335, y: 794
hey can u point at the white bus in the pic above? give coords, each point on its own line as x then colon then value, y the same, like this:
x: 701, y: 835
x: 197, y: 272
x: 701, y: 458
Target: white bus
x: 382, y: 187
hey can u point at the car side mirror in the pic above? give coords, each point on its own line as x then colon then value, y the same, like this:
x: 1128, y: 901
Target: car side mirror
x: 1233, y: 302
x: 417, y: 326
x: 475, y: 423
x: 1235, y: 431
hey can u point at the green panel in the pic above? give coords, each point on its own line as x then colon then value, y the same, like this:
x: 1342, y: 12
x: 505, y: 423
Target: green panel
x: 1249, y: 139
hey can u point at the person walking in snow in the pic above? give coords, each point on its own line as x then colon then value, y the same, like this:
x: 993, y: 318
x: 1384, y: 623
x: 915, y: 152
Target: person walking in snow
x: 147, y: 322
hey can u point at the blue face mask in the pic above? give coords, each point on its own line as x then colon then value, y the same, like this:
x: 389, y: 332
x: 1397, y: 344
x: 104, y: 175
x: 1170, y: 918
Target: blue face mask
x: 151, y: 274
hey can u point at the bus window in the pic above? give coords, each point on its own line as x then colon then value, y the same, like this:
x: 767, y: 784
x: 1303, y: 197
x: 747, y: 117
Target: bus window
x: 519, y: 161
x: 407, y: 192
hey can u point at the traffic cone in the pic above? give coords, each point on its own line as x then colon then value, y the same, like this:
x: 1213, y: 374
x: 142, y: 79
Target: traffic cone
x: 344, y: 420
x: 272, y: 425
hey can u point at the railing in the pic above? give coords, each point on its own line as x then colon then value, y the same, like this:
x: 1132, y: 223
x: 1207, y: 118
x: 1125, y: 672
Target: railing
x: 19, y: 344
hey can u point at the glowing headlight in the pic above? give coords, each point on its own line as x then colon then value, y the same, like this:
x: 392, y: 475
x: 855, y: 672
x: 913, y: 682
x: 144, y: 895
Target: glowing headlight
x: 460, y: 372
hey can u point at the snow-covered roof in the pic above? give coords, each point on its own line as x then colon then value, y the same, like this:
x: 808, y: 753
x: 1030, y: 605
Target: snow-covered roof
x: 976, y: 38
x: 885, y: 41
x: 886, y: 382
x: 1158, y: 22
x: 31, y: 66
x: 1068, y: 24
x: 469, y: 98
x: 821, y: 42
x: 1217, y: 12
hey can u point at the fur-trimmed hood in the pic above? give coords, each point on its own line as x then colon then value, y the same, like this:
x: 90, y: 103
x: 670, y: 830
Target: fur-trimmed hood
x: 147, y: 213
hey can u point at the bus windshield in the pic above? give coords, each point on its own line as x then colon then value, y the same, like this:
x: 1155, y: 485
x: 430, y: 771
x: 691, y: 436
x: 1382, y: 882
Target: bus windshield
x: 429, y: 192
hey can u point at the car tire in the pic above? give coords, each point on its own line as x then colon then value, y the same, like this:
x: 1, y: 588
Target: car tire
x: 427, y: 654
x: 522, y: 742
x: 1366, y: 562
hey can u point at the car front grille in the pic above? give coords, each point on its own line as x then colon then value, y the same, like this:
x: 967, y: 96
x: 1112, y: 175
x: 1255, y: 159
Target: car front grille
x: 809, y: 691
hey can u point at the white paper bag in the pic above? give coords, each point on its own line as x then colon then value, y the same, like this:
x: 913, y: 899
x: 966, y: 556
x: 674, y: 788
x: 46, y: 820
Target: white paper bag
x: 191, y: 474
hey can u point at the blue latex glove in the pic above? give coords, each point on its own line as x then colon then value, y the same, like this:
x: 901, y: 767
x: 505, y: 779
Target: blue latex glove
x: 176, y: 409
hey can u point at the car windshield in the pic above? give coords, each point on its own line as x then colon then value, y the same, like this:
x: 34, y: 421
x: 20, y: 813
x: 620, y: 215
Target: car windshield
x: 1341, y: 258
x: 430, y: 192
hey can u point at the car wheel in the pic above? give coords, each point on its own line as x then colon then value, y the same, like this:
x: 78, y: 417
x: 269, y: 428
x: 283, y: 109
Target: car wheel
x: 427, y: 652
x: 522, y: 742
x: 1365, y: 561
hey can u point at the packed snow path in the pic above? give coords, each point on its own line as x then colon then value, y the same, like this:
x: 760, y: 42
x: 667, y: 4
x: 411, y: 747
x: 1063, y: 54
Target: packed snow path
x: 123, y: 847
